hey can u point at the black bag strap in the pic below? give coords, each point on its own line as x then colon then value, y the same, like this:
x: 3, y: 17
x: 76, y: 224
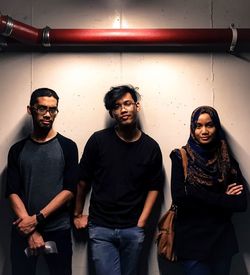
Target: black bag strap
x: 184, y: 161
x: 183, y: 153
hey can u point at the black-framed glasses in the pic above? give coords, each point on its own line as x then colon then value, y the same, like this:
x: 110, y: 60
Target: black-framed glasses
x: 42, y: 110
x: 126, y: 104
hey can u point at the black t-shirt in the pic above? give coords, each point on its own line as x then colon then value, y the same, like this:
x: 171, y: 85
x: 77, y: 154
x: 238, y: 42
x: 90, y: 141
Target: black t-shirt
x: 37, y: 172
x: 121, y: 174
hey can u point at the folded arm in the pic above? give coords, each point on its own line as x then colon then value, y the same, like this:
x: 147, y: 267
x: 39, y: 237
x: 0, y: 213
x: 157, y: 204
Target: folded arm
x: 26, y: 223
x: 233, y: 199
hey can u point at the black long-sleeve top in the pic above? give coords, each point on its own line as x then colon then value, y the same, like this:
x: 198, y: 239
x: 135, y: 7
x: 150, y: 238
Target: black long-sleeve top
x: 203, y: 225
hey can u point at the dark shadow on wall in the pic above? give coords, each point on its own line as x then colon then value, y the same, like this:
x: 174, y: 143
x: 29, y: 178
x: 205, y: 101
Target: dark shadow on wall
x: 242, y: 56
x: 241, y: 221
x: 81, y: 239
x: 5, y: 210
x: 166, y: 267
x: 5, y: 228
x: 150, y: 236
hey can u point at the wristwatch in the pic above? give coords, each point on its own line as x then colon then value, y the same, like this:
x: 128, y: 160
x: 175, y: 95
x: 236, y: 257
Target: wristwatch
x: 40, y: 218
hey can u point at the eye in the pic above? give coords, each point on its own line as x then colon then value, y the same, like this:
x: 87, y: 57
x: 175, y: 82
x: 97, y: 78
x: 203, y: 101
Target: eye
x: 116, y: 107
x: 53, y: 110
x: 127, y: 103
x: 198, y: 126
x: 210, y: 125
x: 41, y: 108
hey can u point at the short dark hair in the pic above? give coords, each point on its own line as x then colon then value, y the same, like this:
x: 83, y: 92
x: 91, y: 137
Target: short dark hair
x: 117, y: 92
x: 42, y: 92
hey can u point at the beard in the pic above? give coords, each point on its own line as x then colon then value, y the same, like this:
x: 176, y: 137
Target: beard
x: 43, y: 126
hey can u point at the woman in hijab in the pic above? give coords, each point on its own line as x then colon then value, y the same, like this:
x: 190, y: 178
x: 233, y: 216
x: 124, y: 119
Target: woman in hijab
x: 205, y: 240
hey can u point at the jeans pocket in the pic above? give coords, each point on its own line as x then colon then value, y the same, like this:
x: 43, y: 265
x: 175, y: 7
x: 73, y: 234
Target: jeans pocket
x: 138, y: 233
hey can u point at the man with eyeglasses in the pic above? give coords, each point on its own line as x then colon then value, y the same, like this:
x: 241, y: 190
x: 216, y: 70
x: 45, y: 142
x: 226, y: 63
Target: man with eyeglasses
x: 123, y: 166
x: 41, y: 180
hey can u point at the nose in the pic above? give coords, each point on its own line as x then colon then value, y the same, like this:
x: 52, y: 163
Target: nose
x: 123, y: 107
x: 204, y: 130
x: 47, y: 113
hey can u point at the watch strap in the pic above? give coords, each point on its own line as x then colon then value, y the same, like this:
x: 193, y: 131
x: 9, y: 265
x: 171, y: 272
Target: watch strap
x: 40, y: 218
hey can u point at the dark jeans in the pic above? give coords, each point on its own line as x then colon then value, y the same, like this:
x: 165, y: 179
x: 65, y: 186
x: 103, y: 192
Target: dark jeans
x: 211, y: 267
x: 58, y: 264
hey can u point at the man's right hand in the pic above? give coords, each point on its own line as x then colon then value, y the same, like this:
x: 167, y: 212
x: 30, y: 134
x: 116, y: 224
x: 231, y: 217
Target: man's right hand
x: 81, y: 221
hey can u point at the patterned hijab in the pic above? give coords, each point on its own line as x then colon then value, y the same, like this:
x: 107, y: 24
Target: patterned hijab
x: 208, y: 164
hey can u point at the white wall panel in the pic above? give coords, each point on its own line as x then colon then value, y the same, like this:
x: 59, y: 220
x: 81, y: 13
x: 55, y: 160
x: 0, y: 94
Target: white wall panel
x: 15, y: 72
x: 166, y: 14
x: 171, y: 85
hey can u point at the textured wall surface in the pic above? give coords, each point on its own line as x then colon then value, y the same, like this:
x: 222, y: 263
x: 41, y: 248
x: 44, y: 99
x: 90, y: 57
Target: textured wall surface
x: 172, y: 84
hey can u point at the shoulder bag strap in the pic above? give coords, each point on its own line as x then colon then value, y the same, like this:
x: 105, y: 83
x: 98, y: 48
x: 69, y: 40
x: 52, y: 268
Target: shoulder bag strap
x: 184, y: 161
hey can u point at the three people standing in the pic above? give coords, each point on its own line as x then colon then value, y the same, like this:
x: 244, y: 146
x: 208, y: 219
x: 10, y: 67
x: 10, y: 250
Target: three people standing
x: 123, y: 167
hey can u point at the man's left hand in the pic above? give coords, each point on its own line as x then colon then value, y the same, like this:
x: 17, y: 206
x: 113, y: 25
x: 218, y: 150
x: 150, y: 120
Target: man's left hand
x: 26, y: 225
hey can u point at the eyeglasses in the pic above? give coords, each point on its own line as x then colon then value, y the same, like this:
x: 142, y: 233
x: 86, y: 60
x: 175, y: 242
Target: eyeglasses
x: 126, y: 104
x: 42, y: 110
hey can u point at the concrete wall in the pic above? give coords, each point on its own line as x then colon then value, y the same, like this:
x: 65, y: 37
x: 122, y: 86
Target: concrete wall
x: 172, y: 84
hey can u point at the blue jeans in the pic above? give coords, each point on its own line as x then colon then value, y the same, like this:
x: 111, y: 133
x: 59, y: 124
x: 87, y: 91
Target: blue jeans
x: 219, y: 266
x: 115, y: 251
x: 59, y: 263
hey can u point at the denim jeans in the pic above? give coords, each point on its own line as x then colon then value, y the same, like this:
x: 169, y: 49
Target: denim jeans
x: 115, y: 251
x: 211, y: 267
x: 59, y: 263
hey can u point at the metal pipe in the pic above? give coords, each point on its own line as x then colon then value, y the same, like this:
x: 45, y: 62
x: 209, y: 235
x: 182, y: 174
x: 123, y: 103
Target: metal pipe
x: 140, y: 36
x: 19, y: 31
x: 227, y: 38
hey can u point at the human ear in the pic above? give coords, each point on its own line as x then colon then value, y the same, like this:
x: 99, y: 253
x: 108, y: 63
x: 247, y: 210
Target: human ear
x: 29, y: 110
x: 138, y: 106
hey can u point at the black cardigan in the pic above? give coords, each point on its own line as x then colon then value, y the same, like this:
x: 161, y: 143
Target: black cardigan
x: 203, y: 226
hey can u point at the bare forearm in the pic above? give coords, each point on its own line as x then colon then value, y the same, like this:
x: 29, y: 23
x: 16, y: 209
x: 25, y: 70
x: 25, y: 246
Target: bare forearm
x: 25, y: 223
x: 149, y: 203
x: 58, y: 201
x: 18, y: 206
x: 82, y: 190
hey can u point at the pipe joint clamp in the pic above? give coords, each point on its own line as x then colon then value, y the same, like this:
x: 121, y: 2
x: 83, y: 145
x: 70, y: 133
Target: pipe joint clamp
x: 9, y: 27
x: 234, y: 38
x: 45, y: 37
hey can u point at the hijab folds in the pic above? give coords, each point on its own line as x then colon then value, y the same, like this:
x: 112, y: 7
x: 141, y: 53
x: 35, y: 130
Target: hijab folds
x: 208, y: 164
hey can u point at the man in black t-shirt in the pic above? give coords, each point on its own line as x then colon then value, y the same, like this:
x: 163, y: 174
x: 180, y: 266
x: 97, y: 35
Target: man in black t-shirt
x: 123, y: 166
x: 41, y: 179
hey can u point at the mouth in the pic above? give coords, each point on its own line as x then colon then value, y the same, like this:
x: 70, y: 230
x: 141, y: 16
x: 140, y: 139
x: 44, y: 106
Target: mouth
x: 46, y: 122
x: 125, y: 117
x: 205, y: 138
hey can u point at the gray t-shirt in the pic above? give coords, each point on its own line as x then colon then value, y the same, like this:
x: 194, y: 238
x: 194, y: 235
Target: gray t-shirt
x: 37, y: 172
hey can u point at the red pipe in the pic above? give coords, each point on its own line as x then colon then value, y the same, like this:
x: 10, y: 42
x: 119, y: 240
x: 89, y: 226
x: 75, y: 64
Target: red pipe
x: 19, y: 31
x: 75, y: 37
x: 140, y: 36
